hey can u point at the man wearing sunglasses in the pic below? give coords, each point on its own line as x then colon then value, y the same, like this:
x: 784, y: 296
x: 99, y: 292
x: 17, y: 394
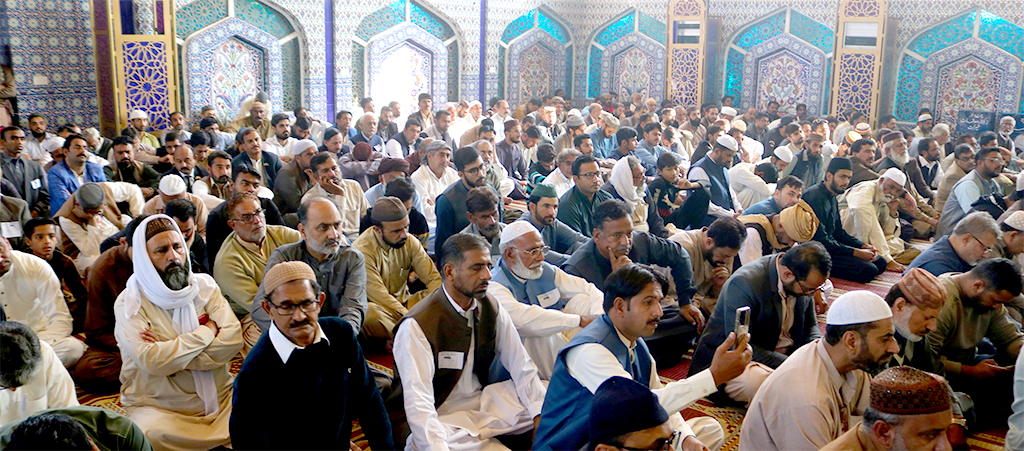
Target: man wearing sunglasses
x: 319, y: 356
x: 971, y: 187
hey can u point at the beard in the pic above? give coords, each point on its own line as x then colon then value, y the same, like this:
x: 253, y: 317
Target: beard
x: 834, y: 187
x: 902, y: 325
x: 490, y: 231
x: 124, y: 165
x: 694, y: 122
x: 326, y: 247
x: 710, y: 257
x: 396, y: 245
x: 175, y: 276
x: 39, y: 136
x: 900, y: 159
x: 222, y: 180
x: 519, y: 269
x: 478, y: 183
x: 477, y: 292
x: 867, y: 362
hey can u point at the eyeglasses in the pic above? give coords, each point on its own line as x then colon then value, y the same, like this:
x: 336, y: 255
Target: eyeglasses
x: 988, y: 249
x: 667, y: 444
x: 996, y: 160
x: 307, y: 306
x: 535, y: 252
x: 250, y: 218
x: 589, y: 175
x: 477, y: 170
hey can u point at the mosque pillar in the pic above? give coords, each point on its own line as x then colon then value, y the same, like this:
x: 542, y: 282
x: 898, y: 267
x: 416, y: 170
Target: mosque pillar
x: 136, y: 61
x: 687, y: 26
x: 857, y: 65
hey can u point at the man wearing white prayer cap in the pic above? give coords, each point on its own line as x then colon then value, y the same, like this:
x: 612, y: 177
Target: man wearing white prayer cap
x: 924, y: 126
x: 872, y: 216
x: 172, y: 186
x: 177, y: 335
x: 547, y: 305
x: 811, y: 399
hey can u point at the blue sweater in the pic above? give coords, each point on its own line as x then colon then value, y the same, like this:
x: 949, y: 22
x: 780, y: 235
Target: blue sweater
x: 940, y: 258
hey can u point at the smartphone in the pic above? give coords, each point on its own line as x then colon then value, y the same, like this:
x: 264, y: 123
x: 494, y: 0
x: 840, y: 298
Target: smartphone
x: 742, y: 322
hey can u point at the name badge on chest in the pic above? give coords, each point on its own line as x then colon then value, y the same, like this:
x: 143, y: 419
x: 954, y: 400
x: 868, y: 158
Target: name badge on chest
x: 10, y: 229
x: 550, y: 298
x: 450, y: 360
x: 35, y: 184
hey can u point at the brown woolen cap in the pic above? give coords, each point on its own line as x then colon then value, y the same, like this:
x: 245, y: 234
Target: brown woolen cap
x: 922, y: 288
x: 285, y: 272
x: 388, y: 209
x: 905, y: 390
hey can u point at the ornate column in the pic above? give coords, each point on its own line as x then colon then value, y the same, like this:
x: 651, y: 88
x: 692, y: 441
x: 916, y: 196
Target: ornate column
x: 857, y: 65
x: 687, y: 24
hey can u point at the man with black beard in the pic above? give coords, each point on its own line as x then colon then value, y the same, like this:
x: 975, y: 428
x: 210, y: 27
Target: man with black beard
x: 126, y: 169
x: 484, y: 220
x: 390, y: 257
x: 340, y: 270
x: 451, y: 204
x: 177, y: 335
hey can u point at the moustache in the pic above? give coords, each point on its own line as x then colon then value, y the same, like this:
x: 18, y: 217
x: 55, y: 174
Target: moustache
x: 622, y: 250
x: 297, y: 324
x: 224, y: 178
x: 654, y: 321
x: 332, y: 242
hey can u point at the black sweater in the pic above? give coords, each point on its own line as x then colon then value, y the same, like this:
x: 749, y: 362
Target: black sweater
x: 310, y: 402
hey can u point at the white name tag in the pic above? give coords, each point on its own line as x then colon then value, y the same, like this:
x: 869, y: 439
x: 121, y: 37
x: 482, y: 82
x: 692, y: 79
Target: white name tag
x: 35, y: 184
x: 550, y: 298
x: 10, y: 229
x: 450, y: 360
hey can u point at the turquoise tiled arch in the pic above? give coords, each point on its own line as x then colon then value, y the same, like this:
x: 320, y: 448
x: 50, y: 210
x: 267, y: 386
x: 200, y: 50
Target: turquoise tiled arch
x: 537, y: 20
x: 631, y: 21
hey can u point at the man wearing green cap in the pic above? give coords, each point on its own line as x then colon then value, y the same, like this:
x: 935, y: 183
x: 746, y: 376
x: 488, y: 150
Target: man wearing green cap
x: 563, y: 240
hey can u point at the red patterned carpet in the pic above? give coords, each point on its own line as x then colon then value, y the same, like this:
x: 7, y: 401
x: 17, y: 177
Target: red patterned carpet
x: 729, y: 417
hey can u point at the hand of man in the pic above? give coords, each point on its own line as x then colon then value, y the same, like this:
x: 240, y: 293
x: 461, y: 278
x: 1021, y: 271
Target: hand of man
x: 727, y: 365
x: 863, y: 254
x: 618, y: 260
x: 690, y: 443
x: 984, y: 369
x: 681, y: 197
x: 331, y: 187
x: 693, y: 315
x: 932, y: 221
x: 165, y: 159
x: 148, y: 336
x: 719, y: 275
x: 585, y: 320
x: 213, y: 326
x: 895, y: 266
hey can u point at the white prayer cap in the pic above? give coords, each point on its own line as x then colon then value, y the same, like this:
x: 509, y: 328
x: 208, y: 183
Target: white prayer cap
x: 895, y: 175
x: 783, y: 153
x: 729, y: 143
x: 303, y: 145
x: 515, y: 230
x: 924, y: 117
x: 138, y: 114
x: 53, y: 144
x: 172, y: 185
x: 574, y: 112
x: 857, y: 307
x: 728, y: 111
x: 1015, y: 220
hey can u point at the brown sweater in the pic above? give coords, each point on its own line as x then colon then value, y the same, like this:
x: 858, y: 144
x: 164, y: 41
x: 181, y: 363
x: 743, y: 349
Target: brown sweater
x: 107, y: 279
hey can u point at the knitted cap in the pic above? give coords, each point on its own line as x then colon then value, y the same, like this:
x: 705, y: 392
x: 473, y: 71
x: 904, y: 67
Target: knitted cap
x: 138, y: 114
x: 728, y: 142
x: 362, y: 151
x: 863, y: 128
x: 303, y: 145
x: 515, y: 230
x: 388, y: 209
x: 816, y: 137
x: 905, y: 390
x: 544, y: 190
x: 172, y: 185
x: 285, y: 272
x: 783, y: 153
x: 1015, y: 220
x: 727, y: 111
x: 574, y: 121
x: 892, y: 136
x: 857, y: 307
x: 738, y: 124
x: 158, y: 226
x: 895, y: 175
x: 90, y: 196
x: 922, y: 288
x: 924, y: 117
x: 839, y: 163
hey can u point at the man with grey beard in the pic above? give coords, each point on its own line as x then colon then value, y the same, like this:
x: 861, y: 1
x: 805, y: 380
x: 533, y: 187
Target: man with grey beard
x: 484, y: 217
x: 340, y: 270
x: 914, y: 210
x: 177, y: 335
x: 547, y: 305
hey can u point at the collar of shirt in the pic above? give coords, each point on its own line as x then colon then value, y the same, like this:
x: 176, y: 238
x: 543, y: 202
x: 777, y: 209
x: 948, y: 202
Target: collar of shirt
x: 925, y: 163
x: 367, y: 138
x: 284, y: 346
x: 466, y: 313
x: 256, y: 248
x: 838, y: 380
x: 630, y: 346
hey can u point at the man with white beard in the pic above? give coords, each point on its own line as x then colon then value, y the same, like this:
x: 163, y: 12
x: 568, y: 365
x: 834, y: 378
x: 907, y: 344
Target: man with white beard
x: 547, y: 305
x: 922, y: 216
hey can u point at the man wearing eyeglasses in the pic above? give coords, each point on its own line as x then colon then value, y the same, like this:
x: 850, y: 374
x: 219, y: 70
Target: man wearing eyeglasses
x: 242, y: 259
x: 576, y: 206
x: 963, y: 156
x: 318, y: 356
x: 451, y: 203
x: 974, y: 238
x: 972, y: 187
x: 547, y: 305
x: 244, y: 179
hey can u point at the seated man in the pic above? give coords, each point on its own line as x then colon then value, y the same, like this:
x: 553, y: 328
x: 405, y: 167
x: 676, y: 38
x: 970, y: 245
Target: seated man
x: 822, y: 385
x: 615, y: 244
x: 185, y: 167
x: 339, y: 268
x: 484, y: 220
x: 678, y: 200
x: 392, y: 169
x: 627, y: 414
x: 27, y: 176
x: 546, y: 304
x: 99, y: 369
x: 713, y: 252
x: 86, y: 219
x: 449, y: 341
x: 577, y: 205
x: 854, y: 259
x: 974, y: 237
x: 543, y: 209
x: 172, y: 187
x: 249, y: 144
x: 974, y: 311
x: 862, y: 158
x: 33, y: 377
x: 32, y: 296
x: 909, y: 409
x: 963, y: 156
x: 294, y: 179
x: 970, y: 188
x: 175, y: 380
x: 787, y: 193
x: 629, y: 184
x: 771, y: 234
x: 244, y: 180
x: 65, y: 177
x: 184, y: 213
x: 328, y: 363
x: 916, y: 212
x: 360, y: 164
x: 41, y: 238
x: 808, y: 161
x: 561, y: 177
x: 242, y: 259
x: 613, y: 345
x: 873, y: 217
x: 433, y: 178
x: 218, y: 183
x: 779, y: 290
x: 390, y: 257
x: 403, y: 189
x: 710, y: 172
x: 451, y: 203
x: 125, y: 168
x: 345, y: 193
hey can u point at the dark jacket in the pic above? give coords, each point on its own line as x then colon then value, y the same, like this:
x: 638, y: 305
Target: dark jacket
x: 830, y: 230
x: 35, y: 189
x: 271, y: 165
x: 647, y: 249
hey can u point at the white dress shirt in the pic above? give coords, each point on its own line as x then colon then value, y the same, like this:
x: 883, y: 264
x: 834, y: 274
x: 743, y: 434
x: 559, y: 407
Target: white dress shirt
x: 285, y: 347
x: 591, y: 364
x: 430, y: 186
x: 36, y: 150
x: 472, y: 415
x: 546, y: 331
x: 558, y: 180
x: 352, y: 205
x: 284, y: 151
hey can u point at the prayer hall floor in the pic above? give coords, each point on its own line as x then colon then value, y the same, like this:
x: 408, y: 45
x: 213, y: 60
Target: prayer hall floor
x: 730, y: 417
